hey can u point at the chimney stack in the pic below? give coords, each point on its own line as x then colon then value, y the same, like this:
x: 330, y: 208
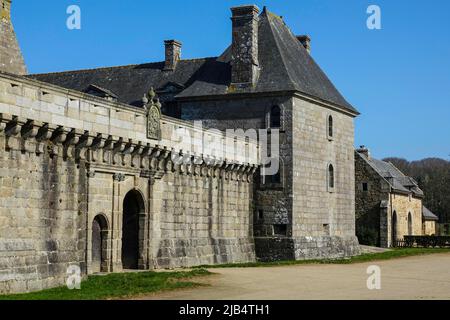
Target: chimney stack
x: 305, y: 40
x: 363, y: 150
x: 245, y: 62
x: 173, y: 54
x: 11, y: 59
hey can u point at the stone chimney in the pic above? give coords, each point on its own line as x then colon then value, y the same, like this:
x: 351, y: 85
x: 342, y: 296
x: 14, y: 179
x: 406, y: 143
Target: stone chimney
x: 244, y: 61
x: 173, y: 54
x: 305, y: 40
x: 11, y: 59
x: 364, y: 151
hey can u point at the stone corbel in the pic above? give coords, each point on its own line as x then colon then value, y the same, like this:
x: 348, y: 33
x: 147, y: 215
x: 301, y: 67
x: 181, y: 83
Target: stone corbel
x: 136, y: 155
x: 81, y: 149
x: 97, y: 145
x: 12, y: 129
x: 30, y: 129
x: 162, y: 159
x: 118, y: 148
x: 154, y: 158
x: 127, y: 153
x: 144, y: 162
x: 72, y: 139
x: 108, y: 149
x: 42, y: 136
x: 28, y: 132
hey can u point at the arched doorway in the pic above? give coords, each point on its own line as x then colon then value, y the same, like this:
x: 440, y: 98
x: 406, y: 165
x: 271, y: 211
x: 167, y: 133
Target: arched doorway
x: 133, y: 205
x: 394, y: 229
x: 410, y: 227
x: 99, y: 237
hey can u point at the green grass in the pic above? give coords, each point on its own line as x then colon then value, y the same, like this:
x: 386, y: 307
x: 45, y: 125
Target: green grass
x: 118, y: 285
x: 367, y: 257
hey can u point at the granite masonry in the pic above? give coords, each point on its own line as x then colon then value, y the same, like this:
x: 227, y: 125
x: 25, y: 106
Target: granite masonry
x: 95, y: 170
x: 388, y: 203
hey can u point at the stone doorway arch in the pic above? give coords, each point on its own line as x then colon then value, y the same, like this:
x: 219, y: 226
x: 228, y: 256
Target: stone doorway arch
x: 133, y: 207
x: 99, y: 244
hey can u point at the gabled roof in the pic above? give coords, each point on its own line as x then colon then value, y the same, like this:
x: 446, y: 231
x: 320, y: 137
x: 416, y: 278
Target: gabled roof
x: 428, y: 215
x: 396, y: 179
x: 285, y: 65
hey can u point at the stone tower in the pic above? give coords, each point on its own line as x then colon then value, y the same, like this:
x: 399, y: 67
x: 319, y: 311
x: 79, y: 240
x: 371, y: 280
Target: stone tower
x: 11, y: 59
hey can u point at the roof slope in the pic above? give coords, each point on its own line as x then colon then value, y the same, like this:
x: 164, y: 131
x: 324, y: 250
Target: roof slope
x: 285, y: 65
x: 428, y: 215
x: 397, y: 180
x: 129, y: 83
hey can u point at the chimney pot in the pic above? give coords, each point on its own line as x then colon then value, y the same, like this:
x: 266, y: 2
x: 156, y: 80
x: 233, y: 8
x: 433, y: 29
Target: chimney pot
x: 172, y: 53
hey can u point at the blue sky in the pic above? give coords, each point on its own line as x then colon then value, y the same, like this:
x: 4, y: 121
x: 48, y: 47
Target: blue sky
x: 397, y: 77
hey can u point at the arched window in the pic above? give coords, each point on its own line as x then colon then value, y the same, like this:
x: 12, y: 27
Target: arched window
x: 410, y: 231
x: 330, y: 127
x: 394, y: 229
x: 330, y: 176
x: 275, y: 117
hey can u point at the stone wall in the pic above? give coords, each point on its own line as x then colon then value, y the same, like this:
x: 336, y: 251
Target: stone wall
x: 67, y: 158
x: 323, y: 218
x: 402, y: 205
x: 42, y: 217
x: 272, y: 202
x: 429, y: 228
x: 371, y: 204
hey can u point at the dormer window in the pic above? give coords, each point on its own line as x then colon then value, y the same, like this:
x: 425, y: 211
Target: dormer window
x: 101, y: 92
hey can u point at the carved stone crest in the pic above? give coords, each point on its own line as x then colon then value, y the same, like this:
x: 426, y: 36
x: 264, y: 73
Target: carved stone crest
x: 153, y: 108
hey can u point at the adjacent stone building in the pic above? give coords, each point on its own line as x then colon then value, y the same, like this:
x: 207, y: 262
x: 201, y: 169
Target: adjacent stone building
x: 429, y: 223
x: 388, y: 203
x: 95, y: 171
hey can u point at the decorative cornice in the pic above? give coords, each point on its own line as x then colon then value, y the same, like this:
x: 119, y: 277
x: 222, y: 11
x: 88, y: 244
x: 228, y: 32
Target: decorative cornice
x: 27, y: 135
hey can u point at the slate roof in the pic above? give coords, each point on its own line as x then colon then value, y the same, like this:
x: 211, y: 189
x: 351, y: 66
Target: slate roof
x: 428, y: 215
x: 285, y: 65
x: 129, y: 83
x: 397, y: 180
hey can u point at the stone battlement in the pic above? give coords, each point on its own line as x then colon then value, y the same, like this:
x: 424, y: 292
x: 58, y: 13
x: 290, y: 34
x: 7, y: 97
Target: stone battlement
x: 92, y: 119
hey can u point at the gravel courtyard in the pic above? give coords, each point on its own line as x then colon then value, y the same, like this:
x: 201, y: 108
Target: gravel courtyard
x: 419, y: 277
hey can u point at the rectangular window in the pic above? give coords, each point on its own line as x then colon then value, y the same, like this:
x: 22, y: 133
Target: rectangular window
x: 365, y: 186
x: 326, y: 229
x: 280, y: 229
x: 260, y: 214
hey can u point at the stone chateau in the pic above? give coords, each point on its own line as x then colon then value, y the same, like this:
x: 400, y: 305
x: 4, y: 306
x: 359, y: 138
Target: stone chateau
x: 90, y: 170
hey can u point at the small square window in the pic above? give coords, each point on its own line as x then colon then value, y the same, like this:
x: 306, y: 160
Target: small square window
x: 365, y: 186
x: 280, y: 229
